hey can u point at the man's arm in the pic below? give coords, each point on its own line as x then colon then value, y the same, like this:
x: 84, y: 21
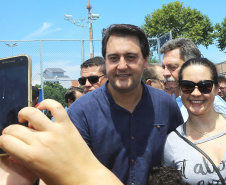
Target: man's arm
x: 55, y: 151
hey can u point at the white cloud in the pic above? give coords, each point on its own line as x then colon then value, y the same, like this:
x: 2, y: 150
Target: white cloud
x: 43, y: 30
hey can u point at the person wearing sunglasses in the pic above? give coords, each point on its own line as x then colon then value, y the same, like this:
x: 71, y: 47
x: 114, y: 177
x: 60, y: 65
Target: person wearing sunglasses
x: 205, y: 128
x: 176, y: 52
x: 222, y: 89
x: 93, y: 74
x: 153, y: 76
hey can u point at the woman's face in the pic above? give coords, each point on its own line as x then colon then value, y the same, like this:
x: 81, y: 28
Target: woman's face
x: 196, y: 102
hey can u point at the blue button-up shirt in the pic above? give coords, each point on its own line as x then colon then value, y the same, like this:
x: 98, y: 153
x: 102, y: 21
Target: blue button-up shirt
x: 126, y: 143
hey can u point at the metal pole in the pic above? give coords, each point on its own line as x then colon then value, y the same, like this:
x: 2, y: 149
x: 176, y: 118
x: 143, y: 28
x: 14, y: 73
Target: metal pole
x: 11, y: 47
x: 41, y: 69
x: 82, y: 43
x: 90, y: 35
x: 90, y: 28
x: 74, y: 21
x: 82, y: 51
x: 158, y: 42
x: 90, y: 20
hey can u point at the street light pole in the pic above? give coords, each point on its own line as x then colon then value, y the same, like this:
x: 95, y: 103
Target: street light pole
x: 79, y: 22
x: 11, y: 46
x: 89, y: 7
x: 91, y: 18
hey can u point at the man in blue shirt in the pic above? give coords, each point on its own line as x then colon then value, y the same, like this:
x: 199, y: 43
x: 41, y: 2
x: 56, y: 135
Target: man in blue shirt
x: 176, y: 52
x: 124, y: 122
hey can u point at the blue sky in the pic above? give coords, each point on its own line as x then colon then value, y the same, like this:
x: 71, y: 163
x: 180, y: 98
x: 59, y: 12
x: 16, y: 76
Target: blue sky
x: 44, y: 19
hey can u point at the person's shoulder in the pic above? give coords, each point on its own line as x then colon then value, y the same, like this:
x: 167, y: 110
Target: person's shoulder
x: 172, y: 137
x: 171, y: 148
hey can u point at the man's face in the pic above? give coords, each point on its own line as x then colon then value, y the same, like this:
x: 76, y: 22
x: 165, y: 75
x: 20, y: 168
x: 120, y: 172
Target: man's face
x: 89, y: 71
x: 222, y: 90
x: 124, y: 63
x: 171, y: 64
x: 157, y: 83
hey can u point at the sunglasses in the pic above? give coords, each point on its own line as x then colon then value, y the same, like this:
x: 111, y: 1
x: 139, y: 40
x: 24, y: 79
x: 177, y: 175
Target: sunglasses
x: 205, y: 86
x: 92, y: 79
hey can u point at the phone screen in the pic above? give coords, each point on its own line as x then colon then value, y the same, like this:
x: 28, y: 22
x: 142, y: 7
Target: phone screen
x: 14, y: 88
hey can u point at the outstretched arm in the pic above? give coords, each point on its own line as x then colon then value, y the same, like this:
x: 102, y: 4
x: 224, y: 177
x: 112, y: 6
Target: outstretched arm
x: 55, y: 151
x: 13, y: 173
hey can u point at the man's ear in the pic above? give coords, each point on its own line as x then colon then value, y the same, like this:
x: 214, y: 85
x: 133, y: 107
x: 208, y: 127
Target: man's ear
x: 149, y: 82
x: 69, y: 101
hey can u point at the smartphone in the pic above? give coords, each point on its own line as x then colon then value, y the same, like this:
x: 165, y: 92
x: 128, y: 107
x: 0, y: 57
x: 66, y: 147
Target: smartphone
x: 15, y: 88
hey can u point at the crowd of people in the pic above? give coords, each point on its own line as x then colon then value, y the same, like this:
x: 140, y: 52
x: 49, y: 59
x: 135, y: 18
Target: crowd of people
x: 131, y: 123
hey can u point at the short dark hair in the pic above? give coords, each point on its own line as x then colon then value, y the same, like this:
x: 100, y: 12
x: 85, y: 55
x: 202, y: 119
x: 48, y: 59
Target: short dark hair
x: 35, y: 92
x: 123, y: 30
x: 95, y: 61
x: 203, y: 62
x: 164, y: 176
x: 221, y: 79
x: 187, y: 48
x: 150, y: 72
x: 70, y: 93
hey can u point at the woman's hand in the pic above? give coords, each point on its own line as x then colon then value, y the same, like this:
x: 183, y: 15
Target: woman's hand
x: 55, y: 151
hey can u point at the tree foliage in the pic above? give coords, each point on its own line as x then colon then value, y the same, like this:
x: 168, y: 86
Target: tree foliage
x: 182, y: 21
x: 54, y: 91
x: 220, y: 33
x: 152, y: 59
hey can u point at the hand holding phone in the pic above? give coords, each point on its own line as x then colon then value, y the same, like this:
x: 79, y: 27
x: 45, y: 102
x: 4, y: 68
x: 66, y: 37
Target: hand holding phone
x: 15, y: 88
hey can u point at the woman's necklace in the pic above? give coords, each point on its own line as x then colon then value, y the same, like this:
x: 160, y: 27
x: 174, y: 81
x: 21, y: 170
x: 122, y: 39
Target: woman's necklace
x: 203, y: 133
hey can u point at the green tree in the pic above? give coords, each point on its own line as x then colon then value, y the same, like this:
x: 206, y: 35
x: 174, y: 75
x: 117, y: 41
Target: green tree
x: 54, y: 91
x: 182, y: 21
x: 220, y: 33
x: 152, y: 59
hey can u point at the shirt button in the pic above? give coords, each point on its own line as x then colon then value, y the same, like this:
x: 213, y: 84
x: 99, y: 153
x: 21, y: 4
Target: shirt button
x: 132, y: 137
x: 132, y: 183
x: 132, y: 160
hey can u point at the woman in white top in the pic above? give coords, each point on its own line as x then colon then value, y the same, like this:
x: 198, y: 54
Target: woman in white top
x: 204, y: 127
